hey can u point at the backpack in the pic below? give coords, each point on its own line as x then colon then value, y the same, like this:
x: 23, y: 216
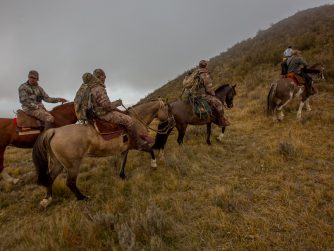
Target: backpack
x: 83, y: 103
x: 190, y: 82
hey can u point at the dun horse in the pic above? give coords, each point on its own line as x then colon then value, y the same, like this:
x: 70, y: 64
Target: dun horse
x: 65, y: 147
x: 284, y: 90
x: 64, y: 114
x: 183, y: 115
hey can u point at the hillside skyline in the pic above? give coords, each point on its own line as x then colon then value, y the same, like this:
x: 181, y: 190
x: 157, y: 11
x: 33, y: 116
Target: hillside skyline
x: 141, y: 47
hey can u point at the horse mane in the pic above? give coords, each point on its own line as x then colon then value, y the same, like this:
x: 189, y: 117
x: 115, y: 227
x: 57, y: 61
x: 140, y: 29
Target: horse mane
x: 143, y: 102
x: 222, y: 87
x: 62, y: 106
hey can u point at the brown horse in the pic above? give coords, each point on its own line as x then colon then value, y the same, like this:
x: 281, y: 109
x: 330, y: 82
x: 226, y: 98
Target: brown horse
x: 64, y: 114
x: 184, y: 115
x: 284, y: 90
x: 65, y: 147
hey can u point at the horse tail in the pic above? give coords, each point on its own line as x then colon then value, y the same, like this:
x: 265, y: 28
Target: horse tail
x: 40, y: 156
x: 161, y: 138
x: 270, y: 99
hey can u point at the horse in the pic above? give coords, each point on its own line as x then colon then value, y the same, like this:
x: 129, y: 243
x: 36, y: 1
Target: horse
x: 282, y: 91
x: 64, y: 114
x: 183, y: 115
x: 65, y: 147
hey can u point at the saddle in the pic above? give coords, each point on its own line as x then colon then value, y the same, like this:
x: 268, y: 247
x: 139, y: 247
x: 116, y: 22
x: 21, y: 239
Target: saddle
x: 298, y: 80
x: 201, y: 107
x: 26, y: 124
x: 107, y: 130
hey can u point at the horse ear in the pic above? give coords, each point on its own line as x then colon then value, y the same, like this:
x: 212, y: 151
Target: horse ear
x: 234, y: 86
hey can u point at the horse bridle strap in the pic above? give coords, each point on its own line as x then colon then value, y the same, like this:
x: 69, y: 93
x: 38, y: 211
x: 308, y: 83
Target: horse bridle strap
x: 161, y: 131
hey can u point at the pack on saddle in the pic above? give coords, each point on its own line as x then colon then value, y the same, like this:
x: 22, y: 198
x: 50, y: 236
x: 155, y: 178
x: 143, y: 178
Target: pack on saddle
x: 191, y: 85
x: 88, y: 114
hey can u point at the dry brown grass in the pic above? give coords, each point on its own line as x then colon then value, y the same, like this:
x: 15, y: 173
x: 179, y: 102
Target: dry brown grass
x: 268, y: 186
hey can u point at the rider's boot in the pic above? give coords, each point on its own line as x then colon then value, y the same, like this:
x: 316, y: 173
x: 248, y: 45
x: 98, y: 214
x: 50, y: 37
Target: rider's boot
x: 222, y: 120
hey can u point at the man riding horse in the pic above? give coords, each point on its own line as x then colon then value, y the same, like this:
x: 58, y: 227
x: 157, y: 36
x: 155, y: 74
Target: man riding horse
x: 204, y: 88
x: 298, y: 66
x: 102, y: 108
x: 31, y: 95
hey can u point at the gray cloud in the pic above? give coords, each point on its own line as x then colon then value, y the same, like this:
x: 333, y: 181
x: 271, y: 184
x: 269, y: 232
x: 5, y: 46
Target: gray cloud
x: 140, y: 44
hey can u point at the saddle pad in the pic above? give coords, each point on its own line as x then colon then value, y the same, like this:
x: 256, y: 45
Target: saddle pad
x: 23, y: 120
x: 108, y: 130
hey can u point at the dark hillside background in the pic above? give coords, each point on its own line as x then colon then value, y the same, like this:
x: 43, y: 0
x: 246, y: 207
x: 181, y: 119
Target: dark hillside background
x: 252, y: 62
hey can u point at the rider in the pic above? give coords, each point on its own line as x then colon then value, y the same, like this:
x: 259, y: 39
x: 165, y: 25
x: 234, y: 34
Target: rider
x: 205, y: 89
x: 106, y: 110
x: 31, y: 96
x: 298, y: 66
x: 286, y: 55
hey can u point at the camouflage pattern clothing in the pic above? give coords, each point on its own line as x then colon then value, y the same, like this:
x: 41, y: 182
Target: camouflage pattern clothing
x: 206, y: 90
x: 31, y: 97
x: 104, y: 108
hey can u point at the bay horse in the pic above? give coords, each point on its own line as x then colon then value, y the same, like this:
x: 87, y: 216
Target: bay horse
x: 184, y: 115
x: 64, y: 114
x: 282, y: 91
x: 66, y: 146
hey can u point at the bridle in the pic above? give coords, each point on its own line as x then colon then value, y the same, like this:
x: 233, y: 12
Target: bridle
x: 170, y: 119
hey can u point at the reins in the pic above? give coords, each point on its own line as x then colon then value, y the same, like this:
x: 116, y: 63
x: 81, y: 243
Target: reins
x: 160, y: 131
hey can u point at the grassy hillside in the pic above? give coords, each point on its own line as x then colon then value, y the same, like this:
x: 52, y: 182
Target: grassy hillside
x: 253, y: 63
x: 268, y: 186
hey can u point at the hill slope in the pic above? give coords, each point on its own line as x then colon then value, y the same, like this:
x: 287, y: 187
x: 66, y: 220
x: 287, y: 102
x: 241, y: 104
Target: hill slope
x: 268, y: 186
x: 256, y: 61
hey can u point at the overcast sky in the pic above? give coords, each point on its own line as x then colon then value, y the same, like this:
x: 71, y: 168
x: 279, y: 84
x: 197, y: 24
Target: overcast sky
x: 141, y: 44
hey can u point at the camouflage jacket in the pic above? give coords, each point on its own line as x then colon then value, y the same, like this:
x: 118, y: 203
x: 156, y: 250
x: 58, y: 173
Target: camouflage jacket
x: 205, y: 83
x: 31, y: 97
x: 100, y: 101
x: 294, y: 64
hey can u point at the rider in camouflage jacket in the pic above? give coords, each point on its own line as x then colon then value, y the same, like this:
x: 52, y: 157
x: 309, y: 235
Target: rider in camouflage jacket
x: 205, y: 89
x: 106, y: 110
x: 31, y: 96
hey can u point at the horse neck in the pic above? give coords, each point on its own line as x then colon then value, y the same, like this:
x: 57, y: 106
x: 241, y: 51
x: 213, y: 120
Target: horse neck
x: 64, y: 114
x: 146, y: 112
x: 222, y: 92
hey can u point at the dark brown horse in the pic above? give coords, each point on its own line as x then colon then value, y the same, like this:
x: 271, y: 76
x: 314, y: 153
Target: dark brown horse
x: 183, y: 115
x: 64, y: 114
x: 284, y: 90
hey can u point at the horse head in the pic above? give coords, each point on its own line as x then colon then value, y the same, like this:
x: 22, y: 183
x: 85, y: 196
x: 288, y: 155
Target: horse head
x: 165, y: 111
x: 226, y: 94
x: 319, y: 70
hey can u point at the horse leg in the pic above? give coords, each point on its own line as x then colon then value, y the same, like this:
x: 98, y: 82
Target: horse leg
x: 280, y: 108
x: 182, y: 130
x: 221, y: 135
x: 299, y: 112
x: 153, y: 159
x: 124, y: 158
x: 307, y: 104
x: 71, y: 182
x: 55, y: 171
x: 3, y: 172
x: 208, y: 133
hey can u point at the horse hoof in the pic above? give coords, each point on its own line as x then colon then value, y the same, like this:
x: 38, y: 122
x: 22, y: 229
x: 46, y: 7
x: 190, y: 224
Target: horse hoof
x: 15, y: 181
x: 154, y: 163
x: 45, y: 202
x: 122, y: 176
x: 220, y: 137
x: 83, y: 197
